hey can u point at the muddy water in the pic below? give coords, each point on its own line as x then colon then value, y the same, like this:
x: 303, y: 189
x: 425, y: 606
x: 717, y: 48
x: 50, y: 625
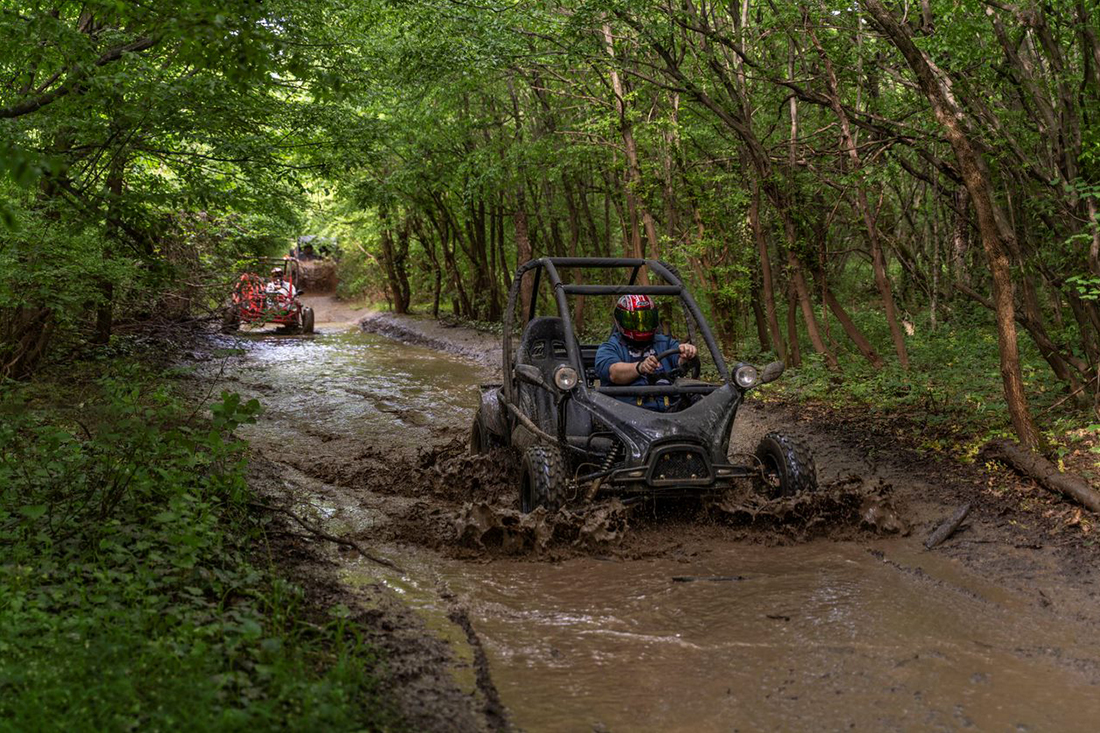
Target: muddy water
x: 349, y: 384
x: 822, y: 636
x: 817, y: 636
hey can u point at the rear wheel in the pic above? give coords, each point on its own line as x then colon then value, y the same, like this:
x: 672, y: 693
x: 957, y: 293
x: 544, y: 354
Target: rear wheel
x: 788, y: 466
x: 544, y: 480
x: 482, y: 440
x: 307, y: 319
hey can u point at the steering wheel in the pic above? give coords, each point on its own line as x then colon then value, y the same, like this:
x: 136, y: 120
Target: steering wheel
x: 678, y: 370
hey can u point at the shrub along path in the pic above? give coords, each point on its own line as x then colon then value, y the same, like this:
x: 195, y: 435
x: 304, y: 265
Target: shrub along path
x: 135, y: 592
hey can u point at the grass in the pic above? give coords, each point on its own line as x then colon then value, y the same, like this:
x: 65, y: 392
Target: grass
x: 132, y: 593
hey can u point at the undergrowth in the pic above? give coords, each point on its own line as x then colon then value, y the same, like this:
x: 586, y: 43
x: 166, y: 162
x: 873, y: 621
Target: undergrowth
x: 131, y: 596
x: 951, y: 398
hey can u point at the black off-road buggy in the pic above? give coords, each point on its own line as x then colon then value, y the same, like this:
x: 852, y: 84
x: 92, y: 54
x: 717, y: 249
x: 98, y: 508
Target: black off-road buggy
x: 579, y: 440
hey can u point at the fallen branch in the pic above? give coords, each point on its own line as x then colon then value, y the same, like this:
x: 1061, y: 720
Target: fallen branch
x: 529, y: 424
x: 947, y: 527
x: 1043, y: 471
x: 321, y: 534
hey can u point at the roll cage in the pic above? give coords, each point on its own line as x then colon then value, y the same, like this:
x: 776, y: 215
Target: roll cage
x: 673, y: 286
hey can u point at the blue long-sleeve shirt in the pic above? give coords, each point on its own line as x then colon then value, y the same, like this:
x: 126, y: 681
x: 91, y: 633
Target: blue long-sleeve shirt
x: 615, y: 349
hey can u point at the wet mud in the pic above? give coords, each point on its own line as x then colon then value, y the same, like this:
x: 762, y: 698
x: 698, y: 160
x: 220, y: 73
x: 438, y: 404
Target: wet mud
x: 815, y: 612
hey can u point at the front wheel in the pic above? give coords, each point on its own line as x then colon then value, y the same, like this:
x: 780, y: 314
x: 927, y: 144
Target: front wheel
x: 307, y: 319
x: 544, y: 480
x: 788, y: 466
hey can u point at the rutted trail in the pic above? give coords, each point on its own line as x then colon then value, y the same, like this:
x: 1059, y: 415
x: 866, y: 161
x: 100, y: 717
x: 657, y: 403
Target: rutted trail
x: 795, y: 617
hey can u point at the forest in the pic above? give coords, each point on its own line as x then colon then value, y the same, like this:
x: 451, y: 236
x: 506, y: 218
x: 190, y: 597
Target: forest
x: 900, y: 200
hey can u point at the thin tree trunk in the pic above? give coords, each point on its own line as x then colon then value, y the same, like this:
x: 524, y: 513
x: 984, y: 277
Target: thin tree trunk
x: 523, y: 254
x: 960, y: 236
x: 878, y: 259
x: 936, y: 87
x: 635, y: 206
x: 808, y: 315
x: 765, y: 271
x: 793, y: 351
x: 574, y: 242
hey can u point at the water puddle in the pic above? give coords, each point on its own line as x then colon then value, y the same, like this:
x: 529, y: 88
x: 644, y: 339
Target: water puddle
x: 818, y: 636
x: 350, y: 384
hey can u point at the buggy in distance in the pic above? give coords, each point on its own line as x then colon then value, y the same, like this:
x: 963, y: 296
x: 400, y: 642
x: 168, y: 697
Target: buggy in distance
x: 255, y: 300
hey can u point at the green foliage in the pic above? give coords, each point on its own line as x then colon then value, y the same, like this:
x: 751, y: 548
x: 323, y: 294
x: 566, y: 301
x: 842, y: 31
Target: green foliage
x: 129, y: 596
x: 950, y: 399
x: 129, y: 131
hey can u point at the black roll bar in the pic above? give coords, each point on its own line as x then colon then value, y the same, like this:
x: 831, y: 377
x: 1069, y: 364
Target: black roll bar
x: 560, y: 290
x: 622, y: 289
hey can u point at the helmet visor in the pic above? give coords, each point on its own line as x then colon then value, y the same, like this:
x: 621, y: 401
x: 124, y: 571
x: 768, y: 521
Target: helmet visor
x: 643, y: 320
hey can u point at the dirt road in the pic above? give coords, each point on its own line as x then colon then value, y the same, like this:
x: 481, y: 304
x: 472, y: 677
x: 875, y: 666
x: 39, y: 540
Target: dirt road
x: 822, y: 614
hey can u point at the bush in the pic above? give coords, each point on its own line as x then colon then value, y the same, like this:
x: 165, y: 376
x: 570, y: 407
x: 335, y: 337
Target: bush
x: 128, y: 598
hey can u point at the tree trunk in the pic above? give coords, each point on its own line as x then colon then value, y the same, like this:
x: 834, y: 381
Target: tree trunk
x: 808, y: 315
x: 758, y: 316
x: 850, y: 327
x: 392, y: 286
x: 768, y: 294
x: 937, y: 88
x: 523, y: 254
x: 574, y: 242
x: 793, y: 351
x: 960, y: 236
x: 635, y: 206
x: 878, y: 259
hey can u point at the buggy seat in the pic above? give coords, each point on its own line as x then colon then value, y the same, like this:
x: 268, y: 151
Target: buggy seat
x: 543, y: 346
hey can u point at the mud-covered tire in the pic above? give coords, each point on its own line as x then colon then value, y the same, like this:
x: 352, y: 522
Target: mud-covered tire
x: 231, y: 319
x: 307, y: 319
x: 788, y: 466
x: 482, y: 439
x: 543, y: 479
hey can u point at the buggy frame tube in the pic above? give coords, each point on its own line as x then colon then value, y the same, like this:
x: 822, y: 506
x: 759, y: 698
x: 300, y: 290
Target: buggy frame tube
x: 622, y: 289
x: 550, y: 264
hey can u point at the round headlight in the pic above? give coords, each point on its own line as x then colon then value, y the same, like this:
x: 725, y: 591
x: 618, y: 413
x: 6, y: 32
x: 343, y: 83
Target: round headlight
x: 566, y: 378
x: 746, y: 376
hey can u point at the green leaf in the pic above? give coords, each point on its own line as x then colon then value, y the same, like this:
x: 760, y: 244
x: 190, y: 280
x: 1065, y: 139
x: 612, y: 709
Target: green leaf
x: 33, y: 511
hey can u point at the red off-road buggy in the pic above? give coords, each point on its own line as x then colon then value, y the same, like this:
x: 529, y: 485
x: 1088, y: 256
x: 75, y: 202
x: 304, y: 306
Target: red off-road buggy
x: 256, y: 301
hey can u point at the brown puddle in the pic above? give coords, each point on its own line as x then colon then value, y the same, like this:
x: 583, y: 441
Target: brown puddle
x: 816, y: 636
x: 819, y: 635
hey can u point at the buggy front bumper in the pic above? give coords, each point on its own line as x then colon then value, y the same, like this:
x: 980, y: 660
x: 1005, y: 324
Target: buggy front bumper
x: 680, y: 466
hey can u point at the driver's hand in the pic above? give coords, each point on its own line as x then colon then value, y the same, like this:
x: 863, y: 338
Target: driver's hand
x: 649, y: 365
x: 688, y: 352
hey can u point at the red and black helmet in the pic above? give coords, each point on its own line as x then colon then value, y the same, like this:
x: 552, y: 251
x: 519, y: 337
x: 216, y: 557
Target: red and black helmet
x: 637, y: 317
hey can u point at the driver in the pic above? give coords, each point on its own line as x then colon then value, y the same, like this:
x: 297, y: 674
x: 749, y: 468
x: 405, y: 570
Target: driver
x: 629, y: 355
x: 278, y: 286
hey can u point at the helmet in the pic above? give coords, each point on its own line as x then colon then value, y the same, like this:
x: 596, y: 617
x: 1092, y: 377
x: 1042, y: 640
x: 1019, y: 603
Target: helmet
x: 637, y: 317
x: 276, y: 272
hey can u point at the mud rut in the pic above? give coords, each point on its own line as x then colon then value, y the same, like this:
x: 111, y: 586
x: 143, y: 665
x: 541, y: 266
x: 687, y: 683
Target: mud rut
x: 818, y: 613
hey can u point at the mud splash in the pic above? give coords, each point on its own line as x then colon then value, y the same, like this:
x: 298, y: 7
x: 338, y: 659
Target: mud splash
x: 600, y: 527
